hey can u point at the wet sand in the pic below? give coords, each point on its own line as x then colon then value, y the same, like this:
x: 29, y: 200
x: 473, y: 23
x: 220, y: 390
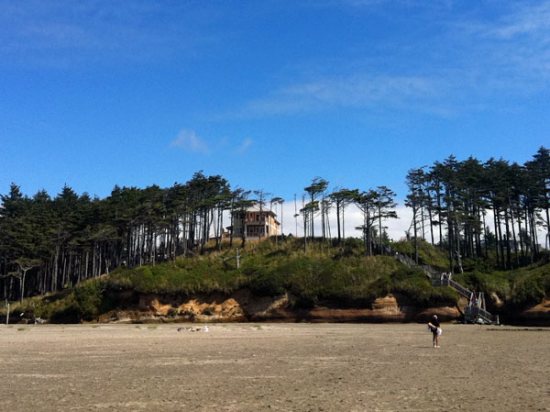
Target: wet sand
x: 273, y: 367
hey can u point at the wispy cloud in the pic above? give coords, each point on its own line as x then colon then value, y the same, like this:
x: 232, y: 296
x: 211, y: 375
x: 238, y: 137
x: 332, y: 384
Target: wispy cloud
x: 475, y: 62
x: 533, y: 20
x: 359, y: 90
x: 61, y: 32
x: 189, y: 141
x: 244, y: 146
x: 514, y: 47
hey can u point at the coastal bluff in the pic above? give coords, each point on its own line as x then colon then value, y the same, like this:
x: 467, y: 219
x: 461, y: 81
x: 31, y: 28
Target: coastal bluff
x: 244, y: 306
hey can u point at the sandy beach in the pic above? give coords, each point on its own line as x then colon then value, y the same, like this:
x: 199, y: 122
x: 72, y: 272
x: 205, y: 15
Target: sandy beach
x: 278, y: 367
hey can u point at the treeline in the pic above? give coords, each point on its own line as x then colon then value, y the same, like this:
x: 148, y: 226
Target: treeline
x: 456, y: 203
x: 47, y: 244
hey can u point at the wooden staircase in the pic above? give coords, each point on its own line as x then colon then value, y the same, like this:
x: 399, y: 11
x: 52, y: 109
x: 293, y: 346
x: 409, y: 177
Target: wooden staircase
x: 475, y: 312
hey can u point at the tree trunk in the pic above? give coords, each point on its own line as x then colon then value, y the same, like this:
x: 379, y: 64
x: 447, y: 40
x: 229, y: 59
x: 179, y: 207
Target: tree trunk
x: 508, y: 251
x: 22, y: 279
x: 415, y: 233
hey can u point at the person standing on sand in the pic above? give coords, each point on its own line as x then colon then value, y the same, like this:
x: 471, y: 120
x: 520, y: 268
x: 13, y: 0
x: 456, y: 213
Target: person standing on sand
x: 435, y: 328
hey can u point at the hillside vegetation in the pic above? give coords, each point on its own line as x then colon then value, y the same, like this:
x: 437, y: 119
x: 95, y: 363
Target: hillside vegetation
x: 334, y: 276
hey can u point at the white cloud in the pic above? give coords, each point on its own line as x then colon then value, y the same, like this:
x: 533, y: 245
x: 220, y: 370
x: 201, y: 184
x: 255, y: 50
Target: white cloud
x: 356, y: 90
x: 244, y: 146
x: 189, y: 141
x: 531, y: 20
x: 512, y: 51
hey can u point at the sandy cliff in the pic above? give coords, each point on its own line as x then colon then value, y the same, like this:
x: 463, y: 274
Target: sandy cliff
x: 244, y: 306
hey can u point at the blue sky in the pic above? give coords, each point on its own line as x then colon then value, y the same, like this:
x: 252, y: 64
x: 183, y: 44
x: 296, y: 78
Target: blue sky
x: 269, y: 94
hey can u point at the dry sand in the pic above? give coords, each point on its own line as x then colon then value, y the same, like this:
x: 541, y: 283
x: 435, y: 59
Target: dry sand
x: 278, y: 367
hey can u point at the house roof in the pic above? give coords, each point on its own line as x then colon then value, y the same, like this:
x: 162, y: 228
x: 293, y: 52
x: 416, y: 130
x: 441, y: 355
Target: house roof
x: 257, y: 209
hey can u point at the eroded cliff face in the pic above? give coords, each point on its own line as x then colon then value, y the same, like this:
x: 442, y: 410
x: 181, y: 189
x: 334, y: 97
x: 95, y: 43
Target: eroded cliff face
x: 536, y: 315
x: 243, y: 306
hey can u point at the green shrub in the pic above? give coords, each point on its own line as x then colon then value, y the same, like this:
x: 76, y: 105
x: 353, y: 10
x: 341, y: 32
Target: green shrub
x: 199, y: 275
x: 59, y: 307
x: 428, y: 254
x: 420, y: 292
x: 88, y: 297
x: 531, y: 286
x: 521, y: 287
x: 491, y: 282
x: 66, y: 314
x: 268, y: 284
